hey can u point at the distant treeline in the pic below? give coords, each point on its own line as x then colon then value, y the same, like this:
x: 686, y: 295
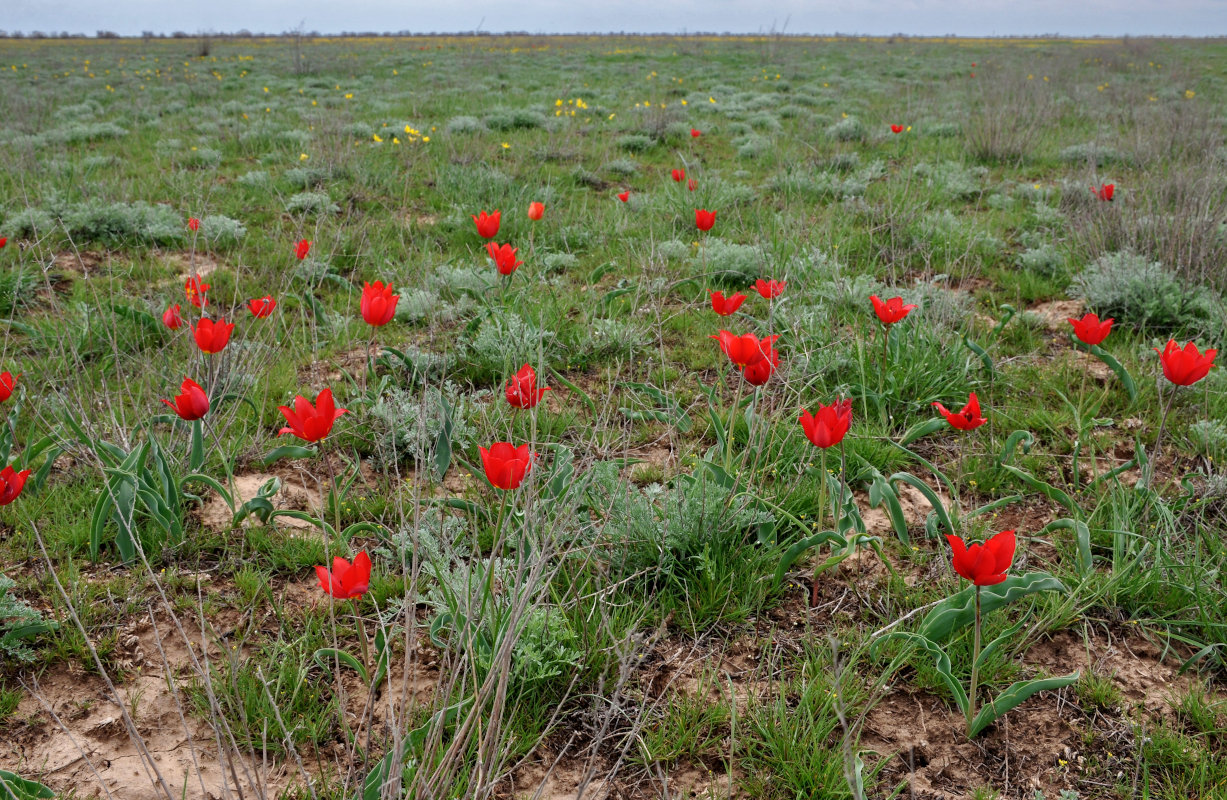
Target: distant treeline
x: 246, y: 34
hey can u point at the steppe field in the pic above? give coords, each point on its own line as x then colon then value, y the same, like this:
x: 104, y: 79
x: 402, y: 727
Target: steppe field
x: 613, y: 417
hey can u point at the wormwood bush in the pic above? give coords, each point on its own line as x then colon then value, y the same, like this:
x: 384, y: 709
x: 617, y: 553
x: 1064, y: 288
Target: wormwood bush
x: 18, y: 622
x: 503, y: 341
x: 407, y: 423
x: 1149, y: 296
x: 1044, y: 259
x: 635, y: 142
x: 222, y: 231
x: 311, y: 203
x: 729, y: 263
x: 611, y: 338
x: 958, y: 181
x: 306, y: 177
x: 1209, y: 438
x: 464, y: 124
x: 1092, y: 153
x: 516, y: 119
x: 849, y: 129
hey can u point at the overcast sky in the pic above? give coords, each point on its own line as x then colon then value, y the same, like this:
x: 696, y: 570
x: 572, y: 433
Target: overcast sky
x: 919, y: 17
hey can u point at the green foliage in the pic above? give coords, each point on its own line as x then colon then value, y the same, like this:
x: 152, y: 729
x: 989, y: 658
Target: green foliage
x: 19, y: 622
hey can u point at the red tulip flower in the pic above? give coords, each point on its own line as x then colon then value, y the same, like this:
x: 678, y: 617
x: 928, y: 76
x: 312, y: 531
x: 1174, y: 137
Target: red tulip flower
x: 695, y: 133
x: 760, y: 371
x: 892, y: 310
x: 679, y: 175
x: 770, y: 289
x: 195, y: 289
x: 504, y: 257
x: 746, y: 349
x: 378, y: 304
x: 505, y: 464
x: 1104, y: 192
x: 212, y: 337
x: 522, y: 390
x: 487, y: 224
x: 11, y: 484
x: 704, y: 219
x: 1185, y: 367
x: 311, y: 422
x: 829, y: 425
x: 193, y: 224
x: 301, y: 249
x: 536, y: 211
x: 725, y: 306
x: 346, y: 581
x: 896, y: 129
x: 692, y: 184
x: 1090, y: 329
x: 983, y: 564
x: 624, y: 196
x: 3, y: 241
x: 171, y: 317
x: 261, y: 307
x: 8, y: 382
x: 191, y: 403
x: 968, y: 418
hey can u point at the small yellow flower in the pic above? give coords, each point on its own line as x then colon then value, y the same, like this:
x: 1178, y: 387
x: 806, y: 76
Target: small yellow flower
x: 349, y: 95
x: 506, y: 146
x: 375, y: 136
x: 266, y: 90
x: 1189, y: 94
x: 426, y: 138
x: 303, y: 156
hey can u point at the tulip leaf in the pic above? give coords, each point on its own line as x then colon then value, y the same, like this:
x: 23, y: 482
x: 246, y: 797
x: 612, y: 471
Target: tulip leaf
x: 14, y: 787
x: 1013, y: 696
x: 1025, y: 439
x: 327, y: 657
x: 882, y: 493
x: 1125, y: 378
x: 992, y: 647
x: 983, y: 355
x: 797, y: 550
x: 1082, y: 537
x: 578, y: 392
x: 939, y: 509
x: 921, y: 429
x: 212, y: 483
x: 443, y: 442
x: 288, y: 451
x: 958, y: 611
x: 196, y: 460
x: 941, y: 663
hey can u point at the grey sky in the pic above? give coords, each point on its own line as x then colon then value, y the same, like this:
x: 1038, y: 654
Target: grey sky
x: 920, y: 17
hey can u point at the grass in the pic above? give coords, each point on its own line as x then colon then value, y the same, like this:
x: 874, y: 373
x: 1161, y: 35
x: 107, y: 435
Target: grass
x: 534, y: 627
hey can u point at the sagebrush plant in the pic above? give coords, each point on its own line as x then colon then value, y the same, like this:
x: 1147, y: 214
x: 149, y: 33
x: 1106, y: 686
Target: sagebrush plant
x: 668, y: 500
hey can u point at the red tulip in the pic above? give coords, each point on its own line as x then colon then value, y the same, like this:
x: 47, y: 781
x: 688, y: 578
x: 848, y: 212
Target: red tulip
x: 968, y: 418
x: 624, y: 196
x: 896, y: 129
x: 769, y: 289
x: 378, y: 304
x: 1090, y: 329
x: 692, y: 184
x: 487, y: 224
x: 746, y: 349
x: 1185, y: 367
x: 1104, y: 192
x: 983, y: 564
x: 8, y: 382
x: 311, y: 423
x: 191, y: 402
x: 505, y: 464
x: 212, y: 337
x: 704, y: 219
x: 504, y: 257
x: 301, y: 249
x: 195, y: 289
x: 193, y: 224
x: 760, y: 371
x: 892, y: 310
x: 3, y: 241
x: 11, y: 484
x: 695, y: 133
x: 726, y: 305
x: 261, y: 307
x: 536, y: 211
x: 679, y: 175
x: 522, y: 391
x: 346, y: 581
x: 171, y: 317
x: 828, y: 427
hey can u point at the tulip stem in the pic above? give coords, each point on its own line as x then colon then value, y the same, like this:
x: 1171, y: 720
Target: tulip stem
x: 885, y: 359
x: 1171, y: 397
x: 732, y: 424
x: 822, y: 509
x: 362, y: 642
x: 975, y: 667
